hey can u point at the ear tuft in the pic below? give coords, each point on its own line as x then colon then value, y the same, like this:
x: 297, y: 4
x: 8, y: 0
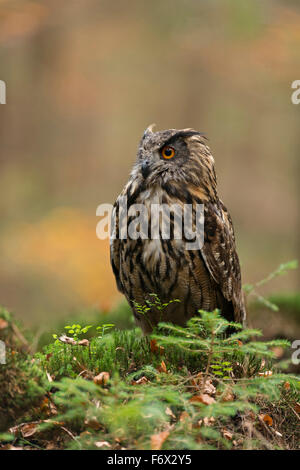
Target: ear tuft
x: 149, y: 130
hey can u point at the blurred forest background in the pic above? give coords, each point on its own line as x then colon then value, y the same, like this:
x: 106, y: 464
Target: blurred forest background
x: 85, y: 78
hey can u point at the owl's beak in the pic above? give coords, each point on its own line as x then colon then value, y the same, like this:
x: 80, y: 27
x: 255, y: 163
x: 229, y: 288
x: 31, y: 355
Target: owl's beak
x: 145, y: 168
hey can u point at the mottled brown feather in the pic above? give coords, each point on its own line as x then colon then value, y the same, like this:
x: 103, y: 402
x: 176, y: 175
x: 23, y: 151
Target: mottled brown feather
x: 206, y: 279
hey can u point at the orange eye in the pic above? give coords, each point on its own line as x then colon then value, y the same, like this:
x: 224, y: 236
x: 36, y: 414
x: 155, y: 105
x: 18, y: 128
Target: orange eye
x: 168, y: 152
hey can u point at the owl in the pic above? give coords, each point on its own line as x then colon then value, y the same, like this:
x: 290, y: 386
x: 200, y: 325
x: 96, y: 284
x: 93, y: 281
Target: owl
x: 175, y: 167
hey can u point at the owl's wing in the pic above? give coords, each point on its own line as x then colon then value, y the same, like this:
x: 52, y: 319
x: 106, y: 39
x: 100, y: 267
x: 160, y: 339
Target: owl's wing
x: 220, y: 256
x: 115, y: 245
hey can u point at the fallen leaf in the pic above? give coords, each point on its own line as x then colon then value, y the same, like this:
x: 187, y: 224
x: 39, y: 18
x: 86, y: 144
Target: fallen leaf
x: 25, y: 429
x: 208, y: 387
x: 11, y: 447
x: 227, y: 396
x: 67, y: 340
x: 157, y: 440
x: 228, y: 435
x: 287, y: 385
x: 266, y: 373
x: 208, y: 421
x: 170, y: 413
x: 297, y: 407
x: 162, y: 367
x: 155, y: 347
x: 3, y: 324
x: 251, y: 415
x: 50, y: 446
x: 93, y: 423
x: 184, y: 416
x: 100, y: 444
x: 101, y: 379
x: 53, y: 409
x: 203, y: 398
x: 266, y: 419
x: 141, y: 381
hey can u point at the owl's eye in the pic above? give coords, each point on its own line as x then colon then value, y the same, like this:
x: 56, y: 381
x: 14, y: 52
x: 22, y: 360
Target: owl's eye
x: 168, y: 152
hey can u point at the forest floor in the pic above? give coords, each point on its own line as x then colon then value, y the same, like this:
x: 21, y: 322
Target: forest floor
x: 108, y: 387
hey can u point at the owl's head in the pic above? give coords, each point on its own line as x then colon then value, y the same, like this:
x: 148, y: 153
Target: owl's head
x: 178, y: 156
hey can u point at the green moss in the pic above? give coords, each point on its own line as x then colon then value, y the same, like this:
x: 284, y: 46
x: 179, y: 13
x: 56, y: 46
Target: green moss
x: 20, y: 377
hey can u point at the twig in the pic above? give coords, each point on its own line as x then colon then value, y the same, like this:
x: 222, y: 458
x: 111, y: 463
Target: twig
x: 294, y: 411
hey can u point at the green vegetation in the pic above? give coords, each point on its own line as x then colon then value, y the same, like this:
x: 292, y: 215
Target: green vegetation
x: 185, y: 388
x: 99, y: 387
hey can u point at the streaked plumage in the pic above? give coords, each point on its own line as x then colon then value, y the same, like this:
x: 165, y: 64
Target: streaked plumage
x: 206, y: 279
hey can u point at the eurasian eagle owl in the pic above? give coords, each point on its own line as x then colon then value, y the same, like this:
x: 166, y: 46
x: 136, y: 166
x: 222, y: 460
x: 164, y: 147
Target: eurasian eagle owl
x: 175, y: 167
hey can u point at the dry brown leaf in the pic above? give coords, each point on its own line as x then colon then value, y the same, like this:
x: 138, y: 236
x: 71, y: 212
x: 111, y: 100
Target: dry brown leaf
x: 51, y: 446
x: 208, y: 421
x: 93, y: 423
x: 101, y: 379
x: 208, y: 387
x: 203, y: 398
x: 227, y: 396
x: 266, y: 419
x: 155, y: 347
x: 184, y: 416
x: 287, y: 385
x: 170, y: 413
x: 227, y: 434
x: 3, y: 324
x: 25, y: 429
x: 53, y: 409
x: 48, y: 407
x: 297, y: 407
x: 29, y: 429
x: 67, y: 340
x: 266, y: 373
x: 157, y: 440
x: 11, y: 447
x: 250, y: 415
x: 162, y: 367
x: 100, y: 444
x: 141, y: 381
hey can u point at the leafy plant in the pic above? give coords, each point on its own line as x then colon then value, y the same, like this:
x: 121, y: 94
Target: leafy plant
x: 153, y: 302
x: 105, y: 327
x: 75, y: 331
